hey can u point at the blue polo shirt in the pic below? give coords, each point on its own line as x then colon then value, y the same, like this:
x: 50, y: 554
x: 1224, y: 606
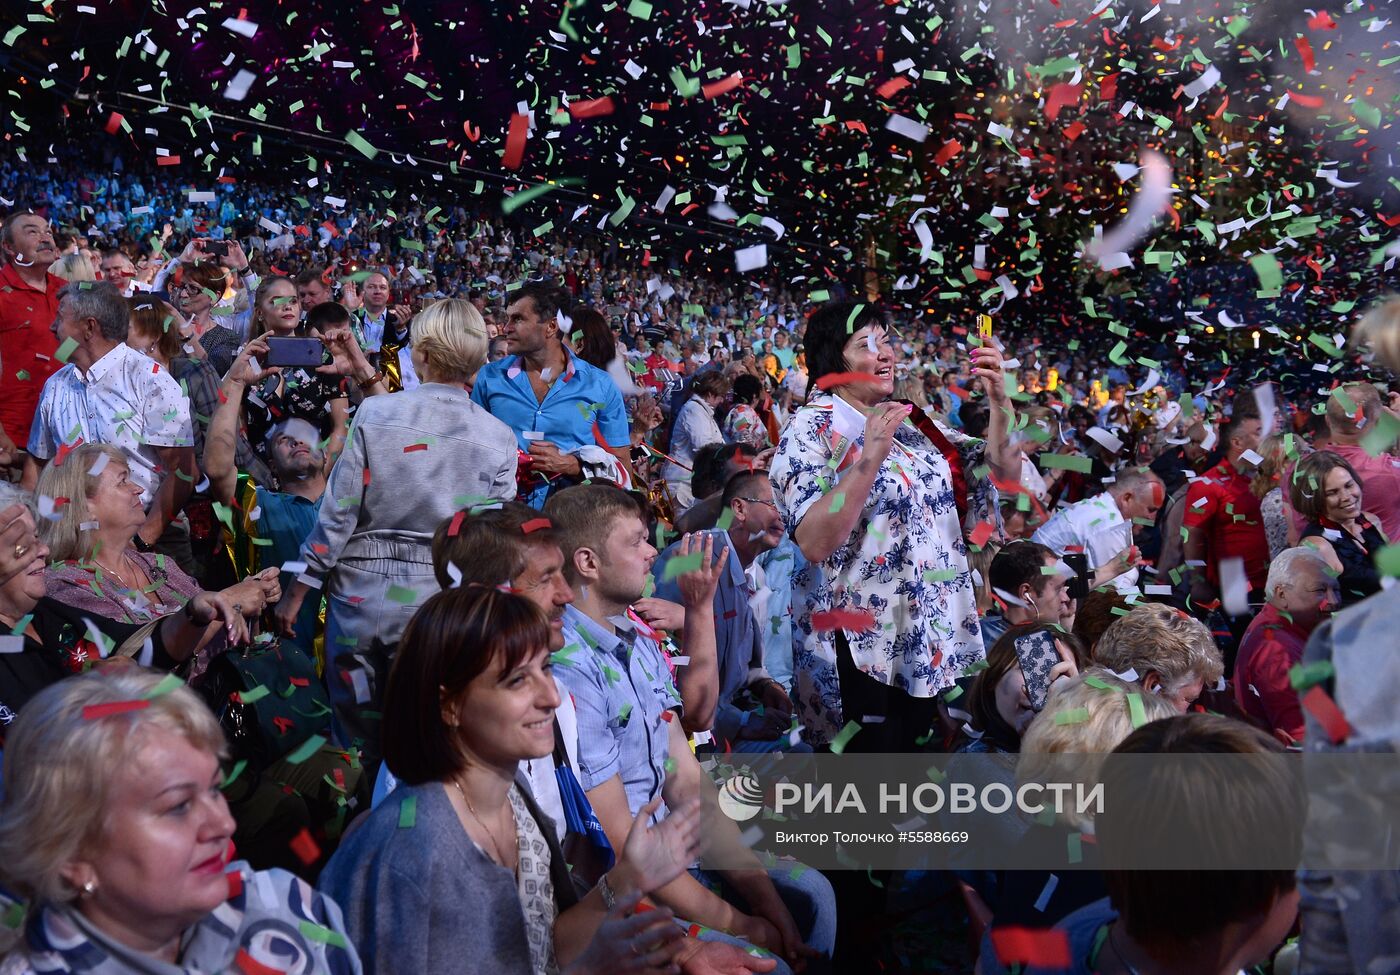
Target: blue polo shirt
x: 565, y: 418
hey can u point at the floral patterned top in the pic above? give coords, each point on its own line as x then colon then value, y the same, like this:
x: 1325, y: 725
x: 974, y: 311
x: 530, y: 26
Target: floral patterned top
x: 744, y: 425
x: 905, y: 563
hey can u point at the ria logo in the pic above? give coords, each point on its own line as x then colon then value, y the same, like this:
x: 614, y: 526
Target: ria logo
x: 741, y: 797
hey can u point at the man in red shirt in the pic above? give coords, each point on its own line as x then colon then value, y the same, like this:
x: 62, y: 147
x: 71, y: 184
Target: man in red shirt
x: 1353, y: 411
x: 1222, y: 518
x: 28, y: 307
x: 1302, y: 592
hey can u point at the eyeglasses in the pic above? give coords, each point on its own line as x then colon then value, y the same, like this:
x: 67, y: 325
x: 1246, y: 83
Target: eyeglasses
x: 771, y: 504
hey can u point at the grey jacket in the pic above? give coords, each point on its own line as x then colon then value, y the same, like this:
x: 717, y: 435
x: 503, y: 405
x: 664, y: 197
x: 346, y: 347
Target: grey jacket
x: 412, y: 459
x: 419, y: 897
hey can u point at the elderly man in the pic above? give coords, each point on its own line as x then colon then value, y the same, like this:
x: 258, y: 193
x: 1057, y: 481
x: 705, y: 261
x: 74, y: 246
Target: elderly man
x: 28, y: 304
x: 117, y: 268
x: 1302, y: 592
x: 1103, y: 527
x: 108, y: 393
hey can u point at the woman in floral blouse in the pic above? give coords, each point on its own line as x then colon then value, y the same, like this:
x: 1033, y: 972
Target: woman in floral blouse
x: 876, y: 498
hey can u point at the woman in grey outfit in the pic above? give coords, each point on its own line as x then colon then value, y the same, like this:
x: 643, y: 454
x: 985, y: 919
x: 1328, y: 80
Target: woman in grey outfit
x: 411, y: 460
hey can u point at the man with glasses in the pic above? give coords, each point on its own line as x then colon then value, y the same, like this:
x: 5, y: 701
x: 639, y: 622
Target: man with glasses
x: 753, y: 713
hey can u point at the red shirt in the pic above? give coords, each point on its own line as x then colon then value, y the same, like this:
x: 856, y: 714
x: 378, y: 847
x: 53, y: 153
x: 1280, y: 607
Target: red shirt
x: 1222, y: 505
x: 1271, y: 646
x: 27, y: 347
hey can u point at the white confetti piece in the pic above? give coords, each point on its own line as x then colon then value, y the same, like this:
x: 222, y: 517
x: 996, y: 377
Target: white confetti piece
x: 1234, y: 586
x: 907, y: 127
x: 245, y: 27
x: 749, y: 258
x: 238, y: 88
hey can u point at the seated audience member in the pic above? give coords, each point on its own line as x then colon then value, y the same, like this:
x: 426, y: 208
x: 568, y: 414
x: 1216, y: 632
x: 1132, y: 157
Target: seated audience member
x: 108, y: 393
x: 1088, y: 714
x: 996, y: 708
x: 1164, y: 650
x: 763, y: 722
x: 715, y: 464
x: 413, y: 453
x: 1103, y: 527
x: 115, y: 827
x: 1211, y: 922
x: 627, y: 764
x: 1325, y: 490
x: 57, y: 638
x: 1301, y: 593
x: 479, y: 883
x: 1100, y: 609
x: 1029, y: 583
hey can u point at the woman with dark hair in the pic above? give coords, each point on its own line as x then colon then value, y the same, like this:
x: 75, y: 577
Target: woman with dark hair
x: 459, y: 871
x: 743, y: 423
x: 877, y: 505
x: 695, y: 427
x: 1326, y: 490
x: 592, y: 339
x: 997, y: 704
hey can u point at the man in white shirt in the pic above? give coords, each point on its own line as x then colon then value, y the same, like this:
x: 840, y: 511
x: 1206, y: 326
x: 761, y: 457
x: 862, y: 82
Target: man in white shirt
x: 1103, y: 526
x: 110, y: 393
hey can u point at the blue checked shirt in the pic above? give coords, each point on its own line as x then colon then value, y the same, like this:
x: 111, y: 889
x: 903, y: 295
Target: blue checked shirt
x: 622, y: 689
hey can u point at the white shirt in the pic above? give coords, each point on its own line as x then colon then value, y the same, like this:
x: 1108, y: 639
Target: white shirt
x: 1099, y: 528
x: 125, y: 399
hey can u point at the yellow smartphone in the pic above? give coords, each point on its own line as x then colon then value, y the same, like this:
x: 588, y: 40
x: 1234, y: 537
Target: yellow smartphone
x: 984, y: 327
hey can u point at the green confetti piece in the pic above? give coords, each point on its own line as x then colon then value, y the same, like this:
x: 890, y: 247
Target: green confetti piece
x: 237, y: 770
x: 1069, y: 462
x: 838, y: 501
x: 682, y: 564
x: 325, y: 935
x: 1388, y: 560
x: 65, y: 349
x: 307, y: 748
x: 639, y: 9
x: 1304, y: 676
x: 844, y: 736
x: 167, y: 684
x: 1098, y: 683
x: 13, y: 917
x: 403, y: 595
x: 1136, y: 712
x: 1072, y: 716
x: 358, y: 141
x: 726, y: 518
x: 408, y: 812
x: 940, y: 575
x: 1074, y: 847
x: 253, y: 695
x: 1267, y: 268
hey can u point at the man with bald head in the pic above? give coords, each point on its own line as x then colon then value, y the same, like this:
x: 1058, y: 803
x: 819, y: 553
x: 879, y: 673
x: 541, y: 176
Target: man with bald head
x: 1102, y: 527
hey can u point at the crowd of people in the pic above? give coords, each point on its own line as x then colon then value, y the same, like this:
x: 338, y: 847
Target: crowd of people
x: 372, y: 608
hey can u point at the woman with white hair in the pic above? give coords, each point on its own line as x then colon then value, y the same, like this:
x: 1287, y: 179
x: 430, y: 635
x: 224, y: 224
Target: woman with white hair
x: 115, y: 829
x: 412, y: 460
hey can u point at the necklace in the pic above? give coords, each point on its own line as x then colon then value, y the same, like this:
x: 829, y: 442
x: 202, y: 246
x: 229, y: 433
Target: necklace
x: 113, y: 572
x: 496, y: 848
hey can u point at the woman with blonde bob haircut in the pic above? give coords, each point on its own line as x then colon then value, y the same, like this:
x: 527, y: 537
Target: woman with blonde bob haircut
x: 1171, y: 653
x: 410, y: 457
x: 115, y: 829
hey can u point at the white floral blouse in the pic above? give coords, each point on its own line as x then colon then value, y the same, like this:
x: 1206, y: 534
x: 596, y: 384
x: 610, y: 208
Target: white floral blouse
x: 905, y: 564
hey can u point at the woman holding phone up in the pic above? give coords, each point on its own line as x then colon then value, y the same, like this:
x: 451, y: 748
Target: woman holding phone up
x: 875, y: 496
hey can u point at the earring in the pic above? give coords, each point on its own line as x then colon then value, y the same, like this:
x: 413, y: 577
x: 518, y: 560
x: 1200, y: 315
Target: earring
x: 89, y: 888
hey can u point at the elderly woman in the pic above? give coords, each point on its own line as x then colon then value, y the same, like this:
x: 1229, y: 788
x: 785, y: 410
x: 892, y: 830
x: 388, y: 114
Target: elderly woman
x: 479, y: 884
x: 876, y: 504
x: 195, y: 288
x: 695, y: 427
x: 97, y: 570
x: 48, y: 639
x: 1326, y: 490
x: 1173, y: 655
x: 413, y: 460
x: 115, y: 829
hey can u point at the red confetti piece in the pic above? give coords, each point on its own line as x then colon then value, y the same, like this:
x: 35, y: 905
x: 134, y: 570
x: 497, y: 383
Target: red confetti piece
x: 716, y: 88
x: 1305, y: 51
x: 235, y: 882
x: 96, y: 712
x: 167, y: 160
x: 114, y: 122
x: 411, y: 449
x: 1074, y: 131
x: 981, y: 533
x: 1061, y: 96
x: 842, y: 378
x: 950, y: 149
x: 1321, y: 706
x: 305, y: 848
x: 1044, y: 948
x: 366, y: 477
x: 1322, y: 20
x: 1307, y: 101
x: 515, y: 141
x: 855, y: 620
x: 284, y: 725
x: 668, y: 716
x: 592, y: 108
x: 893, y: 85
x: 536, y: 524
x: 249, y: 965
x: 456, y: 525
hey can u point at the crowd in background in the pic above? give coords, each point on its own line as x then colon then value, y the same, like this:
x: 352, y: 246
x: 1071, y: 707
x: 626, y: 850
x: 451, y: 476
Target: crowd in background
x: 417, y: 559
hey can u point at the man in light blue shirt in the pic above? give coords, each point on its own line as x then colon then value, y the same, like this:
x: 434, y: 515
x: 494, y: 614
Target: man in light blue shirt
x: 566, y: 414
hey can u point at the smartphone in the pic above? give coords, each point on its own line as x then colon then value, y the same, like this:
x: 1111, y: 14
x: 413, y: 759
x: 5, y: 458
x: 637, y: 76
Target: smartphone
x: 1079, y: 585
x: 216, y: 248
x: 984, y: 327
x: 1037, y: 655
x: 293, y: 351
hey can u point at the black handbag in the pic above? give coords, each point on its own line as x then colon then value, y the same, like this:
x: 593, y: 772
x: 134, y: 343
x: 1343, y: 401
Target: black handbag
x: 268, y: 698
